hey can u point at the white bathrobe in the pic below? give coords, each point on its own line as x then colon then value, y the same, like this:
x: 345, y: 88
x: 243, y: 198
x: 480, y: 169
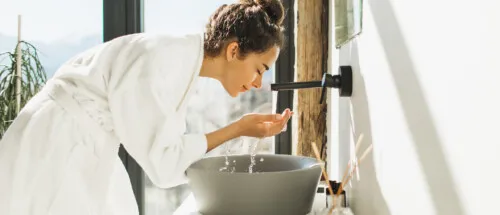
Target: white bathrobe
x: 60, y: 156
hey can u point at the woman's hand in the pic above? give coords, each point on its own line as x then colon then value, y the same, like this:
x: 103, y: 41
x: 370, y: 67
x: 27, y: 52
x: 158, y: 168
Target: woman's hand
x: 263, y: 125
x: 251, y: 125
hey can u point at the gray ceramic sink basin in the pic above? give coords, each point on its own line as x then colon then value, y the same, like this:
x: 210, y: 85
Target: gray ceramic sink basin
x: 279, y: 184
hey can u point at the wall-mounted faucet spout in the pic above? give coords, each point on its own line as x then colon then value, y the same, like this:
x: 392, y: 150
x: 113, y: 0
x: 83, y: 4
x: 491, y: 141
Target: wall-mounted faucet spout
x: 296, y: 85
x: 342, y: 81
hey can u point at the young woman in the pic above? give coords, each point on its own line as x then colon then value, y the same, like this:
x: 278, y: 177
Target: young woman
x: 60, y: 155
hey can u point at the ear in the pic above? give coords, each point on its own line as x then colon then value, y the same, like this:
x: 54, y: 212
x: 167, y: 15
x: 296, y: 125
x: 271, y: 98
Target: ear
x: 232, y: 51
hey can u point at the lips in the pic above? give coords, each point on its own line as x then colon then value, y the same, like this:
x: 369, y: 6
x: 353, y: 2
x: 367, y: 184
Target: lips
x: 243, y: 88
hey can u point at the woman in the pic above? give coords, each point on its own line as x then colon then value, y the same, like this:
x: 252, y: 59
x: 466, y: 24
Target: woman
x: 60, y: 155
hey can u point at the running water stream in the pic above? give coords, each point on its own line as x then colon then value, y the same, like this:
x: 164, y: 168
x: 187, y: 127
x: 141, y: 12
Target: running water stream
x: 253, y: 153
x: 226, y: 167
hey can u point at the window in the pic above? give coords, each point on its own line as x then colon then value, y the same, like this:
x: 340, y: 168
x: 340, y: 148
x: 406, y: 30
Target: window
x: 211, y: 107
x: 348, y: 20
x: 58, y: 29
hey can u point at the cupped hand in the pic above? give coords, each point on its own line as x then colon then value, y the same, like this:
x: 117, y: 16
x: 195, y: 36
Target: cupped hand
x: 263, y: 125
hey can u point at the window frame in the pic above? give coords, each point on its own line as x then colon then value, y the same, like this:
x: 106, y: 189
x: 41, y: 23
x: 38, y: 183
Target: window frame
x: 122, y: 17
x: 285, y: 72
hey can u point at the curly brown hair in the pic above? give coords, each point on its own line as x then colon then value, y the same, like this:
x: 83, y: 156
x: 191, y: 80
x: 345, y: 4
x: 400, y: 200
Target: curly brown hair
x: 256, y: 25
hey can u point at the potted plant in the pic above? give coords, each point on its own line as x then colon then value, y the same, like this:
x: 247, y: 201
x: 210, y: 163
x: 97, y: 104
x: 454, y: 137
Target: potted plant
x: 16, y: 92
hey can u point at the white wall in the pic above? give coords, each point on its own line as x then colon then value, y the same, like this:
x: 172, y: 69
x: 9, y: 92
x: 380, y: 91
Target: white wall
x: 427, y: 95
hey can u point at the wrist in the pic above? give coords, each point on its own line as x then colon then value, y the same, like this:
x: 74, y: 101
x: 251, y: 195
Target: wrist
x: 216, y: 138
x: 237, y: 129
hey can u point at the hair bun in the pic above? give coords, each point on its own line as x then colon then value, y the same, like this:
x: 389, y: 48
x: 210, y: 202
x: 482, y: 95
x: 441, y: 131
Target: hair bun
x: 273, y: 8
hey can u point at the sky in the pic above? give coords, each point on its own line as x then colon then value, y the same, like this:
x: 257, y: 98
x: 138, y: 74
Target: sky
x: 52, y: 20
x: 70, y: 20
x: 62, y: 28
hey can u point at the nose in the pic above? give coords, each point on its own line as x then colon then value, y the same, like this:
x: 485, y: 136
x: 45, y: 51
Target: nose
x: 257, y: 83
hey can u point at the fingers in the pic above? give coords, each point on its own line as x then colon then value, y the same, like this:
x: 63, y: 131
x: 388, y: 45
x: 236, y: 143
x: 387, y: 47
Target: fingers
x: 286, y: 112
x: 271, y: 117
x: 269, y: 124
x: 278, y: 127
x: 268, y: 117
x: 264, y: 129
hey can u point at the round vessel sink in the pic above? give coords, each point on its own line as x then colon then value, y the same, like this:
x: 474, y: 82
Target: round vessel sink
x: 278, y: 184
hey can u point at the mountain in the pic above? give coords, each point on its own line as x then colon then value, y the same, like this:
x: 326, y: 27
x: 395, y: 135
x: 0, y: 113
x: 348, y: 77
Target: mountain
x: 52, y: 55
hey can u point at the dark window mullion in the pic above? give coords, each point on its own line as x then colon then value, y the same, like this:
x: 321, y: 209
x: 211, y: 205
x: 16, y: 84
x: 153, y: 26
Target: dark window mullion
x: 285, y: 72
x: 122, y: 17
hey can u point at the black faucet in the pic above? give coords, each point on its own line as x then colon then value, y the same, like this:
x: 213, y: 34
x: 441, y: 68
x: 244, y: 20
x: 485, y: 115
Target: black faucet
x: 342, y: 81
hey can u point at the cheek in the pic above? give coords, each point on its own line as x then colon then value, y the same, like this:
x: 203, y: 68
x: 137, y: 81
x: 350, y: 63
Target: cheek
x: 249, y: 77
x: 243, y: 75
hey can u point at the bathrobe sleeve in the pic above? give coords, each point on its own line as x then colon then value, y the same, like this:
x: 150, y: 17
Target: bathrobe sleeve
x: 146, y: 81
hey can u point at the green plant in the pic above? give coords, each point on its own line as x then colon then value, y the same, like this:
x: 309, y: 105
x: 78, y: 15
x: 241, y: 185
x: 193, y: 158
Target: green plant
x: 33, y: 77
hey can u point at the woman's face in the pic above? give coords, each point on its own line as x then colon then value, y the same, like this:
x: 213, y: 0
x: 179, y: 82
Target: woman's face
x: 241, y: 75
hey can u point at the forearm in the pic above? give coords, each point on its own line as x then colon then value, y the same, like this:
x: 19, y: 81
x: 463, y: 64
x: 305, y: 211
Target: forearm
x: 222, y: 135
